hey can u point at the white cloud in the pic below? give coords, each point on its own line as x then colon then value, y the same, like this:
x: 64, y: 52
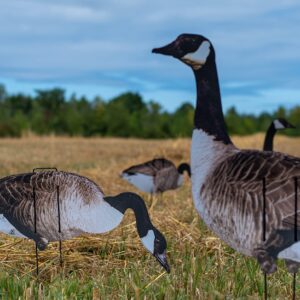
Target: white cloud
x: 109, y: 42
x: 33, y: 10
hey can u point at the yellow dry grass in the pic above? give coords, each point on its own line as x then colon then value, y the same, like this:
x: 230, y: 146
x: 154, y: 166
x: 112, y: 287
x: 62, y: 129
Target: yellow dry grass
x: 119, y: 254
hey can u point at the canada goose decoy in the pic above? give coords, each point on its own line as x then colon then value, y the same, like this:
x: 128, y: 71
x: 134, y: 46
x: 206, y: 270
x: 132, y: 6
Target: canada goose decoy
x: 277, y: 124
x: 83, y: 209
x: 227, y: 182
x: 156, y: 176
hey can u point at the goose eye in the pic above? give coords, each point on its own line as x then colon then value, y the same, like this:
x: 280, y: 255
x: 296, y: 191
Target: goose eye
x: 156, y: 244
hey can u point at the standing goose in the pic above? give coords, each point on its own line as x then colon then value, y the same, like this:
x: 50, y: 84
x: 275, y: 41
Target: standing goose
x: 277, y: 124
x: 227, y: 181
x: 83, y: 209
x: 156, y: 176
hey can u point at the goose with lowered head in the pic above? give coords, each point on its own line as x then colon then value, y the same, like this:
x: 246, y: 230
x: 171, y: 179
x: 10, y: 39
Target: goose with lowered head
x: 156, y: 176
x: 83, y: 209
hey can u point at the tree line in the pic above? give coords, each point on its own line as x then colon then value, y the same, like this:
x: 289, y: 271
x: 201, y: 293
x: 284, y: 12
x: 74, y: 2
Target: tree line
x: 127, y: 115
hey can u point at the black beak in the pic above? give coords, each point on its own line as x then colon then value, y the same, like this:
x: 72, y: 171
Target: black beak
x: 162, y: 259
x: 171, y: 49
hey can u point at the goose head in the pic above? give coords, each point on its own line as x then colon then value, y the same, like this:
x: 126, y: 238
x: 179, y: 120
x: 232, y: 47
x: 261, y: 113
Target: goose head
x: 156, y: 244
x: 281, y: 123
x: 192, y: 49
x: 184, y: 167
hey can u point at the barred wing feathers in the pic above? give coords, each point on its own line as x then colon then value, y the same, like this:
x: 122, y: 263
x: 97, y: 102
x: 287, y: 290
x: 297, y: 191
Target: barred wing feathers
x: 240, y: 178
x: 151, y: 167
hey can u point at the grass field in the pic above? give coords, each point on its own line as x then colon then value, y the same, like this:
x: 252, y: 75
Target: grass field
x: 115, y: 265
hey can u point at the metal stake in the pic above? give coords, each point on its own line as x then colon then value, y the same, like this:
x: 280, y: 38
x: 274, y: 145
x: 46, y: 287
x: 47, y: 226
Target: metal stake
x: 35, y: 219
x: 264, y: 234
x: 35, y: 231
x: 59, y: 227
x: 295, y: 231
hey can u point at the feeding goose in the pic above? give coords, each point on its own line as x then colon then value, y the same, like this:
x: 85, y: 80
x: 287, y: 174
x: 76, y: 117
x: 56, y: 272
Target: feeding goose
x: 227, y: 182
x: 156, y: 176
x: 277, y: 124
x: 83, y: 209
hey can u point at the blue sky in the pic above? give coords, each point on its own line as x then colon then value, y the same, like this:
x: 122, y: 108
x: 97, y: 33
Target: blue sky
x: 104, y: 48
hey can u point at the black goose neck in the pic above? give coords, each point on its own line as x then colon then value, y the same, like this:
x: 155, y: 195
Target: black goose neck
x: 268, y: 143
x: 209, y: 114
x: 125, y: 201
x: 184, y: 167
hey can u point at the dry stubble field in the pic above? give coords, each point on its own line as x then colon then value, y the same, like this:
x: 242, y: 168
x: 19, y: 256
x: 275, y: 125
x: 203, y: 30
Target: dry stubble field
x: 115, y: 265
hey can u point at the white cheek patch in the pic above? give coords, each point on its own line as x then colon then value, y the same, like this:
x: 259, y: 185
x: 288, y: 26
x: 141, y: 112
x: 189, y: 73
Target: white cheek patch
x: 278, y: 124
x: 148, y: 241
x: 198, y: 58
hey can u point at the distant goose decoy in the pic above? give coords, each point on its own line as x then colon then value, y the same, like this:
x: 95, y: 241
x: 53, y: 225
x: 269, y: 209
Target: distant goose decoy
x: 83, y: 209
x: 227, y: 183
x: 277, y: 124
x: 156, y: 176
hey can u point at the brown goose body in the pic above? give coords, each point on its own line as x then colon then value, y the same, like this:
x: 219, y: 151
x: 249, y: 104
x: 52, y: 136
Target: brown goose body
x: 232, y: 200
x: 80, y: 198
x: 155, y: 176
x: 227, y: 183
x: 82, y: 205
